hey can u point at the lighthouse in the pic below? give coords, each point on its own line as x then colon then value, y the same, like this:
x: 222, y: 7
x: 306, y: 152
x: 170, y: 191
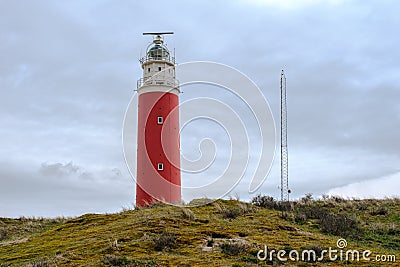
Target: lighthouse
x: 158, y: 144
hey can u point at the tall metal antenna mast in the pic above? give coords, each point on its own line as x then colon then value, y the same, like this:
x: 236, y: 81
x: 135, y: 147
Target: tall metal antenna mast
x: 284, y: 147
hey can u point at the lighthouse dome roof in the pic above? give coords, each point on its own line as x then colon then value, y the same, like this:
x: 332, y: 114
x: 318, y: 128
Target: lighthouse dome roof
x: 157, y: 52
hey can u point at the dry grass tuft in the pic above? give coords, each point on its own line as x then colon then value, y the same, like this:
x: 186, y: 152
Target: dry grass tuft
x: 187, y: 214
x: 232, y: 248
x: 164, y: 241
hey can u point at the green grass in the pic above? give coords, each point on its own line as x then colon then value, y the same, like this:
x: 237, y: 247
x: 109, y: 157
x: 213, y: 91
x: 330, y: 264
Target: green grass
x: 224, y: 233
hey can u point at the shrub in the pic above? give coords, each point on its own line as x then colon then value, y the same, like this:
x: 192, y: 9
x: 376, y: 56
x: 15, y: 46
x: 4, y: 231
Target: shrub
x: 325, y: 197
x: 187, y: 214
x: 305, y: 212
x: 164, y: 241
x: 288, y: 216
x: 379, y: 211
x: 264, y: 201
x: 361, y: 205
x: 232, y: 248
x: 338, y: 199
x: 318, y: 212
x: 392, y: 230
x: 230, y: 213
x: 300, y: 217
x: 339, y: 225
x: 307, y: 198
x: 284, y: 206
x: 336, y: 224
x: 3, y: 234
x: 115, y: 260
x: 250, y: 259
x: 385, y: 229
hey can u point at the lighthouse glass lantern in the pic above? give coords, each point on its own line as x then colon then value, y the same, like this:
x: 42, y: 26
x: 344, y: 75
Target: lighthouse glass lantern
x: 158, y: 150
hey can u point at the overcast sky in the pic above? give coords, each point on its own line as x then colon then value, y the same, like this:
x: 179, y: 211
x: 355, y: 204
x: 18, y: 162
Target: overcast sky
x: 69, y: 69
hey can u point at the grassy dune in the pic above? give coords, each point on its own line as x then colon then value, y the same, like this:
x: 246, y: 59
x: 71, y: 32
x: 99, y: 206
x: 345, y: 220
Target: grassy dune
x: 224, y: 233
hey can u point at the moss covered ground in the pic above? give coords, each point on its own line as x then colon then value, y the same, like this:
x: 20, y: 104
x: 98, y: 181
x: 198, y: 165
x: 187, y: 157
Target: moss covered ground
x: 223, y: 233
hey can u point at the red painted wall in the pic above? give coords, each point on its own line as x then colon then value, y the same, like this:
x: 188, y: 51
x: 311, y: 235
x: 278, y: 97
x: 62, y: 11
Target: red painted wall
x: 158, y: 143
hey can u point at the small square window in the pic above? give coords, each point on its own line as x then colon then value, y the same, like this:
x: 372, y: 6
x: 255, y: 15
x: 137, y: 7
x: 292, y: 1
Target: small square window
x: 160, y: 120
x: 160, y: 166
x: 159, y: 68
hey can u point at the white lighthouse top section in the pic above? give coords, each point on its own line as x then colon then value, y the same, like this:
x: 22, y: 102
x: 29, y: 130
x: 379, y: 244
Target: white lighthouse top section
x: 157, y: 51
x: 158, y: 69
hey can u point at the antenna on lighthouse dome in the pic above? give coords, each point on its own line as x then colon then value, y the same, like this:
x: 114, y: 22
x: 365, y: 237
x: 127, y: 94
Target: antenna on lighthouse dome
x: 157, y: 33
x: 158, y: 36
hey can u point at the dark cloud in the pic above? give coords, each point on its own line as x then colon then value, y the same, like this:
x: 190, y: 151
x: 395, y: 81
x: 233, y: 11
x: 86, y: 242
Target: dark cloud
x: 66, y: 189
x: 58, y: 169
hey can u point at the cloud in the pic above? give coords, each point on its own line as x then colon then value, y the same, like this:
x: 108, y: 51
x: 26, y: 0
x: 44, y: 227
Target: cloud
x: 69, y: 69
x: 58, y: 169
x: 75, y: 172
x: 381, y: 187
x: 62, y: 189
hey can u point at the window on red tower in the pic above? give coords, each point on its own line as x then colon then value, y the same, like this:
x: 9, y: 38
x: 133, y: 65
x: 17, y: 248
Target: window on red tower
x: 160, y: 120
x: 160, y: 166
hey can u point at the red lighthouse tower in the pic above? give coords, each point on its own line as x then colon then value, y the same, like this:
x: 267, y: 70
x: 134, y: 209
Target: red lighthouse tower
x: 158, y: 154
